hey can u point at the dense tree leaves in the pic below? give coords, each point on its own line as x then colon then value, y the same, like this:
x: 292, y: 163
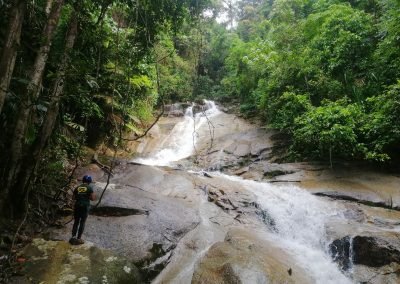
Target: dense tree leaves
x: 329, y: 131
x: 83, y: 68
x: 324, y: 71
x: 286, y: 108
x: 381, y: 127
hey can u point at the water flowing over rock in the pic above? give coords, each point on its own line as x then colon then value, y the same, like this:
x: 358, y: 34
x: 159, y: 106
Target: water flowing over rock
x: 204, y: 201
x: 246, y: 257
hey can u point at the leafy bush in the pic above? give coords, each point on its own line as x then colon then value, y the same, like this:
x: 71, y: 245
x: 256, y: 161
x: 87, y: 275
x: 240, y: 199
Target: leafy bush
x: 382, y: 126
x: 286, y: 109
x: 329, y: 131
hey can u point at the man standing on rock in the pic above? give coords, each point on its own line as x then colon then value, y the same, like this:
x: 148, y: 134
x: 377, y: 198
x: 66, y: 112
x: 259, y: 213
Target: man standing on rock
x: 82, y: 195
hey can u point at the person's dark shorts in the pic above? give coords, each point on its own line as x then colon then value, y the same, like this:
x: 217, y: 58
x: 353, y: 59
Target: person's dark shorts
x: 81, y: 212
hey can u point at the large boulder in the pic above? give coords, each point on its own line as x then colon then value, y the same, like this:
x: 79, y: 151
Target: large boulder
x: 144, y: 215
x: 374, y: 249
x: 369, y: 256
x: 248, y: 258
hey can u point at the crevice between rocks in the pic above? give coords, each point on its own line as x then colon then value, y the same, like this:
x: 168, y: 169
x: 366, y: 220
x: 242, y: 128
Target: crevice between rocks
x: 336, y: 196
x: 110, y: 211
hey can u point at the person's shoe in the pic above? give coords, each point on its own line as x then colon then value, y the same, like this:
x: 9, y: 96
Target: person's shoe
x: 79, y: 241
x: 72, y: 240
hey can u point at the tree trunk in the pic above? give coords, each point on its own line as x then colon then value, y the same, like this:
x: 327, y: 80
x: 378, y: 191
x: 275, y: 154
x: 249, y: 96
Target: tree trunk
x: 16, y: 149
x: 49, y: 4
x: 33, y: 157
x: 9, y: 51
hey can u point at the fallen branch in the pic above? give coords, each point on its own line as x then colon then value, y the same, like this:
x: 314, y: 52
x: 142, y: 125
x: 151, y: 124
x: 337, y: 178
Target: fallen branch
x: 105, y: 168
x: 162, y: 101
x: 148, y: 129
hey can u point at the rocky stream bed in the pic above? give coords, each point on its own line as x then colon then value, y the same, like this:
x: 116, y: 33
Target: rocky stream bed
x: 205, y: 201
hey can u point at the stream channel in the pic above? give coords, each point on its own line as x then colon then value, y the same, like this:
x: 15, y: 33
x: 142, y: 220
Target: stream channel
x: 205, y: 209
x: 297, y: 219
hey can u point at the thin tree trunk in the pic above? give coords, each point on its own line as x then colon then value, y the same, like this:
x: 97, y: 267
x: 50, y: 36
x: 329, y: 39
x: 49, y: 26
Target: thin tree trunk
x: 16, y: 149
x: 103, y: 10
x: 32, y: 159
x: 11, y: 44
x: 49, y: 4
x: 100, y: 21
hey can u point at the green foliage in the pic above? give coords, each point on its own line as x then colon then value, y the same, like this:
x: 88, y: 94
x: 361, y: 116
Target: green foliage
x: 316, y: 69
x: 324, y: 71
x: 330, y: 130
x: 244, y: 68
x: 175, y: 72
x: 342, y: 38
x: 52, y: 170
x: 387, y: 54
x: 286, y: 109
x: 382, y: 125
x: 99, y: 76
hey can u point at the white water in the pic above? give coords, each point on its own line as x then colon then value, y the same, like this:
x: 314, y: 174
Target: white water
x: 180, y: 143
x: 299, y: 217
x: 206, y: 234
x: 299, y: 226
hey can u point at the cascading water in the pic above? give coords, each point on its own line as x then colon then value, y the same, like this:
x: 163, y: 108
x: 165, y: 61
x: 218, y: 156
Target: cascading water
x: 298, y: 218
x: 299, y: 221
x: 180, y: 143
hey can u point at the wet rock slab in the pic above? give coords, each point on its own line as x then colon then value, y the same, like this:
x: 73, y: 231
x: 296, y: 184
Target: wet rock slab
x: 59, y: 262
x: 149, y: 206
x: 371, y: 253
x: 247, y: 258
x: 151, y: 210
x: 352, y: 184
x: 368, y: 248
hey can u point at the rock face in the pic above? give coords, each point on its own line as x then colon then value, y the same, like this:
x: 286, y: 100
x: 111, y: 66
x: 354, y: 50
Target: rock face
x: 372, y: 250
x: 247, y: 258
x: 373, y: 257
x: 362, y: 186
x: 340, y: 252
x: 206, y: 228
x: 142, y: 217
x: 59, y: 262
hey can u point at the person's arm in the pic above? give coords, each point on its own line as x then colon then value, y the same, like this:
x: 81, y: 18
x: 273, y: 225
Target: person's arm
x: 92, y: 196
x: 75, y: 193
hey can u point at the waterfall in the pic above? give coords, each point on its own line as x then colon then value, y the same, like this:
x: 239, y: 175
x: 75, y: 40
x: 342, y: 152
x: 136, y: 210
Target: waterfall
x: 295, y: 219
x: 299, y: 220
x: 180, y: 143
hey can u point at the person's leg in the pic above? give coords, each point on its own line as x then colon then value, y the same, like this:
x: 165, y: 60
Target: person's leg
x: 81, y: 226
x: 83, y: 217
x: 76, y: 223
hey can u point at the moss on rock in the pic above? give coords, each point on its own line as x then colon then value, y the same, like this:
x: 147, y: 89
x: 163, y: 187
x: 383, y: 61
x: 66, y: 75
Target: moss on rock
x: 59, y: 262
